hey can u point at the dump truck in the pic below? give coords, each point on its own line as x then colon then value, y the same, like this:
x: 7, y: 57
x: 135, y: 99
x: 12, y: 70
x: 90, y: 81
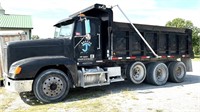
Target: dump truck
x: 90, y: 50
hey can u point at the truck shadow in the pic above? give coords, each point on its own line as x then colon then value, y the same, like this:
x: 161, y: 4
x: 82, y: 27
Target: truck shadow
x: 95, y: 92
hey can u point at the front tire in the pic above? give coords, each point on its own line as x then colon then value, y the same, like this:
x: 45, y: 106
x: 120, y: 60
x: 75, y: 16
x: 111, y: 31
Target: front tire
x: 51, y: 85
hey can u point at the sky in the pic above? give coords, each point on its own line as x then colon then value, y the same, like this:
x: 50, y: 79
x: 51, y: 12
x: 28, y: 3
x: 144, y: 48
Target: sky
x: 46, y: 13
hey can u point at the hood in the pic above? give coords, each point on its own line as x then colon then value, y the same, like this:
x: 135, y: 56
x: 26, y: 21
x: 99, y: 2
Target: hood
x: 33, y: 48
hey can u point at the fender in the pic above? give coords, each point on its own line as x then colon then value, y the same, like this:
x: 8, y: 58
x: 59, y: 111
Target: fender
x: 31, y: 66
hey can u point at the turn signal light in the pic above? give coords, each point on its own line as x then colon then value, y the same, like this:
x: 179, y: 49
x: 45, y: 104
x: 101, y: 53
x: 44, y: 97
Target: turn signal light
x: 18, y: 70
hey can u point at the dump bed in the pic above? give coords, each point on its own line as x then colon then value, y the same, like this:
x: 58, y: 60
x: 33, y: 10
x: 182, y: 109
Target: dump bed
x: 165, y: 41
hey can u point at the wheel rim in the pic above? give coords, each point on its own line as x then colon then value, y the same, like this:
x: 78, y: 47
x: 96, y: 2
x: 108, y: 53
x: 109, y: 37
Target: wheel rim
x: 179, y: 72
x: 52, y: 86
x: 161, y: 73
x: 137, y: 72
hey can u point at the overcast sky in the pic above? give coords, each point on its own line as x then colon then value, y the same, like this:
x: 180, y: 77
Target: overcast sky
x: 45, y: 13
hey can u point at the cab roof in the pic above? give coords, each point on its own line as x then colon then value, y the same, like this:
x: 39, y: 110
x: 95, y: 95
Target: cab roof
x: 89, y: 11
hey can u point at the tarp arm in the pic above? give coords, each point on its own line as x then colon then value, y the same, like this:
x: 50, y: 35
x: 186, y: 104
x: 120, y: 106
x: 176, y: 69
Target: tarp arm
x: 138, y: 32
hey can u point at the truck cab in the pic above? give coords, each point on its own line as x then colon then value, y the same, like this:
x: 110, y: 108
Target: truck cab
x: 84, y: 34
x: 50, y: 67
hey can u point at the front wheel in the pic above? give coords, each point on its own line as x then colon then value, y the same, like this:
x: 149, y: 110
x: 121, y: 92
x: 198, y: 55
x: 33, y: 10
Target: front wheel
x: 51, y: 85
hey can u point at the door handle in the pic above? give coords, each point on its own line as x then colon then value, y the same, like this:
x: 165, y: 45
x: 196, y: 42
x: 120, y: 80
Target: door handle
x: 99, y: 46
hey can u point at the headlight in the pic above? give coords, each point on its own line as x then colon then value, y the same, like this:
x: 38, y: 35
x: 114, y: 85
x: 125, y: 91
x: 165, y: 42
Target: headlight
x: 15, y: 70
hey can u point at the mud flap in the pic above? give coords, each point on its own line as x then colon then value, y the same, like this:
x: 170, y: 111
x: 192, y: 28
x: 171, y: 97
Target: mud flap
x: 188, y: 64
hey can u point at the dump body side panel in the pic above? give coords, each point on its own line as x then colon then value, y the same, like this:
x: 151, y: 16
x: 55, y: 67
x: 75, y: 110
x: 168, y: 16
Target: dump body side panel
x: 165, y: 41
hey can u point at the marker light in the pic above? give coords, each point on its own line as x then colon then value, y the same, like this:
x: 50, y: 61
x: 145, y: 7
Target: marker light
x: 81, y: 15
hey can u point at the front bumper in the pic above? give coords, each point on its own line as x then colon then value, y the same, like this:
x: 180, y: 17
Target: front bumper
x: 18, y: 85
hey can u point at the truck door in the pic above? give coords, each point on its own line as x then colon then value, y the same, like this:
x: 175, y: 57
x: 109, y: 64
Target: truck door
x: 88, y: 41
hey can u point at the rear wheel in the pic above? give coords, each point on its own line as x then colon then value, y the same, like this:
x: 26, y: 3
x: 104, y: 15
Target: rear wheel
x: 136, y: 72
x: 177, y: 71
x: 157, y: 73
x: 51, y: 86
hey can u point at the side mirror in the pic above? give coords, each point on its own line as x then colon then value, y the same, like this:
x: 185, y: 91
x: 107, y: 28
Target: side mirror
x: 56, y: 33
x: 87, y: 26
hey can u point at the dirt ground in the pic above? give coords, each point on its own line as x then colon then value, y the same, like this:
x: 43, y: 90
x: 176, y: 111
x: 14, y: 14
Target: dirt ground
x: 117, y: 97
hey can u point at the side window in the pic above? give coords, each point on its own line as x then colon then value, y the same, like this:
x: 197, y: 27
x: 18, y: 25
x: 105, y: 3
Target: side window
x: 93, y: 28
x: 66, y: 31
x: 79, y: 29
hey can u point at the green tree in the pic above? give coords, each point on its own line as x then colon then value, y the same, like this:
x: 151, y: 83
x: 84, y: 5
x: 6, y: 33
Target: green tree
x: 35, y: 37
x: 182, y: 23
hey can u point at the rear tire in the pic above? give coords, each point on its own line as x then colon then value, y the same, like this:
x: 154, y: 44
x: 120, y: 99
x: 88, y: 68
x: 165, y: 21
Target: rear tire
x: 51, y: 85
x: 157, y: 74
x: 177, y: 71
x: 136, y: 72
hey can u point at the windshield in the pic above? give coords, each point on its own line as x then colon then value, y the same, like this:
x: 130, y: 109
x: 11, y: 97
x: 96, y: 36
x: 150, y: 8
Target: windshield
x: 64, y: 31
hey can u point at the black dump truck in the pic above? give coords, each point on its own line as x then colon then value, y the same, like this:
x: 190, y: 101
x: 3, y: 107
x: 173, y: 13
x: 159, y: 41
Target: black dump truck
x: 90, y: 49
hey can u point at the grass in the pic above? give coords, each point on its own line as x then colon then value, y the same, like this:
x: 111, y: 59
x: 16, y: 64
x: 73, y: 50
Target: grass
x: 87, y: 105
x: 159, y: 110
x: 196, y: 58
x: 149, y: 109
x: 7, y: 99
x: 2, y: 90
x: 128, y: 94
x: 78, y: 101
x: 1, y: 78
x: 95, y: 100
x: 149, y: 99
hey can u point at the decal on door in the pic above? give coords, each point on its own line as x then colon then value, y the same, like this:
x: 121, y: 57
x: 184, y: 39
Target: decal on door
x: 86, y: 46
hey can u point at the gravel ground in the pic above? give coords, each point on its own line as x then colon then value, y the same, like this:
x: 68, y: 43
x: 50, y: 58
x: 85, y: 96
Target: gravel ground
x: 117, y: 97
